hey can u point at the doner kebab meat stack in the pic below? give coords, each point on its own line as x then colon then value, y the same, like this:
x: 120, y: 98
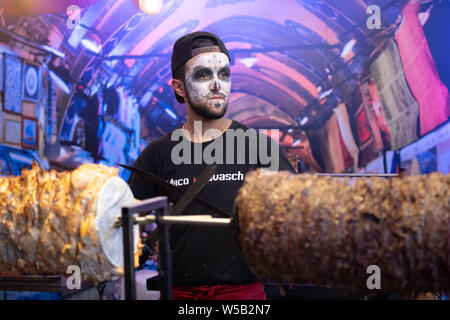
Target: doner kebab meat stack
x: 50, y: 220
x: 327, y: 231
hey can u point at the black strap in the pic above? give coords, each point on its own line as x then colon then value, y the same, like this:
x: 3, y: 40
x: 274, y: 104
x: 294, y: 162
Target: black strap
x: 185, y: 200
x: 171, y: 187
x: 193, y: 190
x: 187, y: 197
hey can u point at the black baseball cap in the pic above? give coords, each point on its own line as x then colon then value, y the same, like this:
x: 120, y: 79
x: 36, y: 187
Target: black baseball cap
x: 182, y: 51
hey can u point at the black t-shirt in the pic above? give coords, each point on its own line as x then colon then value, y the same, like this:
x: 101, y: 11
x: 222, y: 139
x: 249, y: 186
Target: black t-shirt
x: 205, y: 255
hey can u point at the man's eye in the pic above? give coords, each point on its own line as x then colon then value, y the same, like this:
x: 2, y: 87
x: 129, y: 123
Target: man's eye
x: 202, y: 76
x: 224, y: 75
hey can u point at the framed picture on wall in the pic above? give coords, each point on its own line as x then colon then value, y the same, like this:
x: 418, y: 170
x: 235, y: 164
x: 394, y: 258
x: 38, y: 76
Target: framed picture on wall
x: 363, y: 128
x: 31, y: 81
x: 12, y: 129
x: 1, y: 118
x: 13, y: 87
x: 29, y: 132
x: 1, y: 73
x: 29, y: 109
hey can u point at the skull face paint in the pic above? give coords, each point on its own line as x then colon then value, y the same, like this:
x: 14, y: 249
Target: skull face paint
x: 208, y: 84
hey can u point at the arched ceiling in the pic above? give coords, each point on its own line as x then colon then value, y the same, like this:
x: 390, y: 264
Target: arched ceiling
x: 280, y: 49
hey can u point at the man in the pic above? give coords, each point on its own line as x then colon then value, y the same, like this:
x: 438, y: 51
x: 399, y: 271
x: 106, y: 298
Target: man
x: 207, y: 262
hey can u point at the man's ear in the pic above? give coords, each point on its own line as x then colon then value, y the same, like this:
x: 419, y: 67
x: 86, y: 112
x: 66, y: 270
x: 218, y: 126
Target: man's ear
x: 178, y: 85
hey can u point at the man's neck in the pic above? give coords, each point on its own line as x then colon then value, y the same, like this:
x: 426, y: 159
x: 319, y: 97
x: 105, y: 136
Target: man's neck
x: 219, y: 125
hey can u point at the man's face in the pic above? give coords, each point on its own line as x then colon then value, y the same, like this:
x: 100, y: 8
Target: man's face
x: 208, y: 84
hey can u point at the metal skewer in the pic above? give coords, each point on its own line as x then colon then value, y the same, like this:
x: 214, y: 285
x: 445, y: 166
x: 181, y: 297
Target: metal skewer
x: 190, y: 220
x: 359, y: 175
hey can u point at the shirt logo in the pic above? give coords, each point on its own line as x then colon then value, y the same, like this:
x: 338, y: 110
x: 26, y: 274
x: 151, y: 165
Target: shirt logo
x: 238, y: 176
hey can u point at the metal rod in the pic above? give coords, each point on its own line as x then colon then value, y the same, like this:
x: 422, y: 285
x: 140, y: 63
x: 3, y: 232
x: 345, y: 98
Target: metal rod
x: 128, y: 238
x: 357, y: 175
x: 191, y: 220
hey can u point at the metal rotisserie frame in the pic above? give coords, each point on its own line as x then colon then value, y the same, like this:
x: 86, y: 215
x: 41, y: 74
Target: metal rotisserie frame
x: 158, y: 205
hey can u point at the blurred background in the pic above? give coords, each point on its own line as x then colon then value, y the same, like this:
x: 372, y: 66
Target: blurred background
x: 354, y: 86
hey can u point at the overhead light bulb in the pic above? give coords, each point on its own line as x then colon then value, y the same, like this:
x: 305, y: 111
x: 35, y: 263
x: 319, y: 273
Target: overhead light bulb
x: 171, y: 113
x: 304, y: 121
x: 326, y: 94
x: 348, y: 48
x: 91, y: 45
x: 151, y: 6
x: 64, y: 87
x: 57, y: 79
x: 54, y: 51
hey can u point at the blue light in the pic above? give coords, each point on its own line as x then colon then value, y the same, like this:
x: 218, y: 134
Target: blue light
x: 171, y: 113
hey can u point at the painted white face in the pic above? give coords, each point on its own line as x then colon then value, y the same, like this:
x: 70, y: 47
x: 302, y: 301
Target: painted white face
x: 208, y: 84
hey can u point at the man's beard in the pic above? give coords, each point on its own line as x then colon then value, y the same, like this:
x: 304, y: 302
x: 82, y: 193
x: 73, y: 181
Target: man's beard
x: 203, y: 111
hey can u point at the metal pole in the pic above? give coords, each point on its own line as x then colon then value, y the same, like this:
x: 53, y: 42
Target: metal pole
x: 165, y: 256
x: 128, y: 238
x: 163, y: 220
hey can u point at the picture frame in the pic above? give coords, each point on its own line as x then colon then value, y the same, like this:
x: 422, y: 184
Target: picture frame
x: 29, y: 109
x: 12, y: 129
x: 30, y: 132
x: 364, y: 131
x: 1, y: 118
x: 12, y: 96
x: 31, y: 84
x: 2, y: 75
